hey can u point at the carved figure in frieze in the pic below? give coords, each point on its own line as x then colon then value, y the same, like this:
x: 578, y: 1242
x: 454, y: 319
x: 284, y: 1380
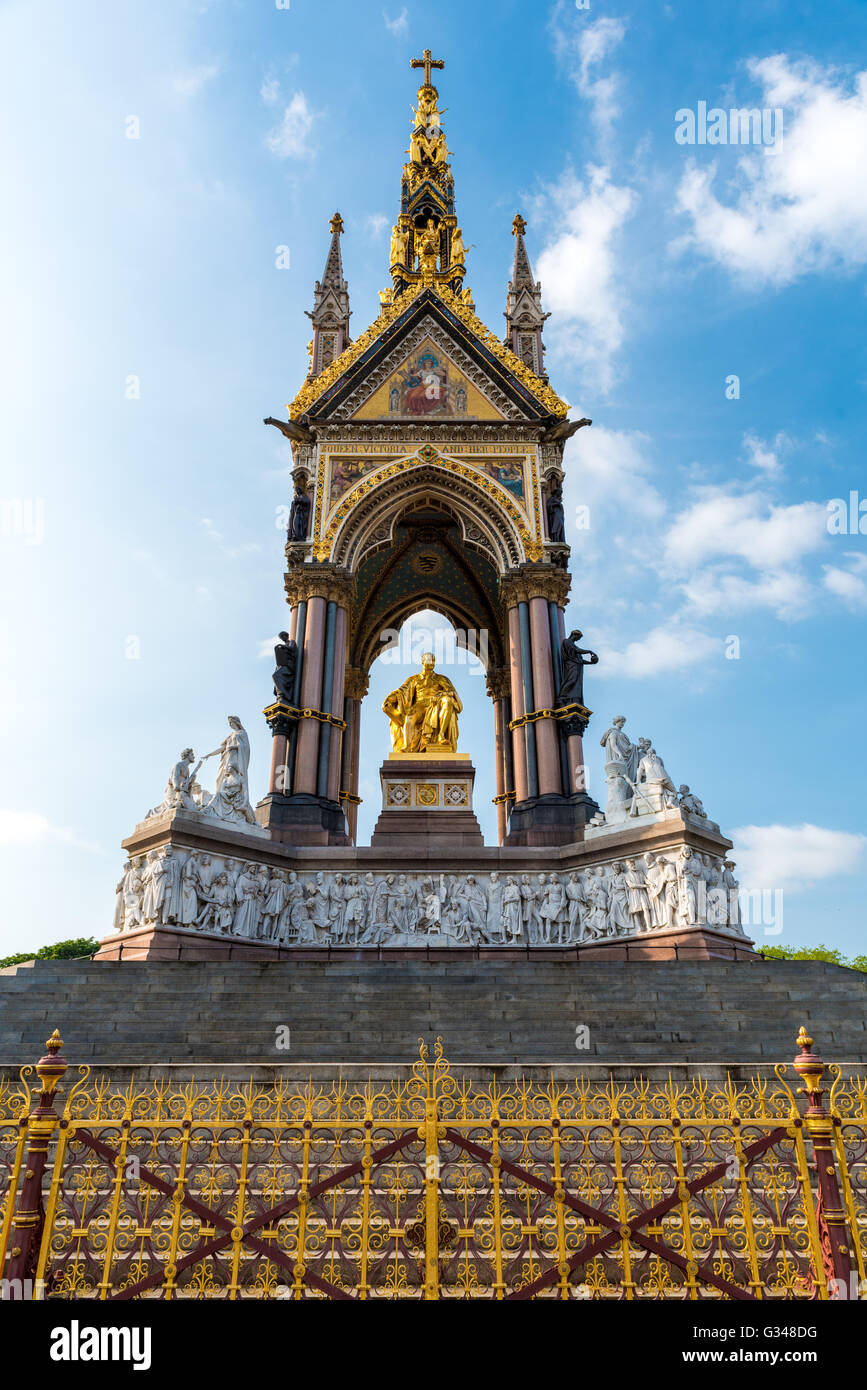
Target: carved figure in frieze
x: 166, y: 883
x: 598, y: 904
x: 576, y: 903
x: 336, y: 907
x: 639, y: 903
x: 528, y: 910
x: 551, y: 909
x: 273, y: 905
x: 354, y: 914
x: 494, y: 915
x: 653, y: 882
x: 730, y: 884
x: 222, y: 900
x: 688, y: 874
x: 247, y: 903
x: 512, y: 910
x: 668, y: 896
x: 377, y: 928
x: 188, y: 907
x: 294, y: 916
x: 318, y: 906
x: 620, y: 921
x: 474, y: 908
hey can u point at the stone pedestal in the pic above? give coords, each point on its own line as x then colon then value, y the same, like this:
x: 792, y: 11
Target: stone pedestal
x: 302, y: 819
x: 427, y: 802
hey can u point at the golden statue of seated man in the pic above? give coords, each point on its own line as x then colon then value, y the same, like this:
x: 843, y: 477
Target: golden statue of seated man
x: 424, y: 712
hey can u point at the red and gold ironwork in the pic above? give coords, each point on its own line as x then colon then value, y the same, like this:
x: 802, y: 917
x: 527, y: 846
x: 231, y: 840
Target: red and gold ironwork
x: 439, y: 1187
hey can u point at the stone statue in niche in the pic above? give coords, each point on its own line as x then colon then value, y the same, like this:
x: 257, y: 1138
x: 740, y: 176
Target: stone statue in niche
x: 556, y: 516
x: 286, y: 657
x: 399, y: 242
x: 573, y: 660
x: 299, y: 514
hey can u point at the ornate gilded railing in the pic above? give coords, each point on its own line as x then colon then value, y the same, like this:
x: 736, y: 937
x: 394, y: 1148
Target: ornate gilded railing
x: 436, y: 1187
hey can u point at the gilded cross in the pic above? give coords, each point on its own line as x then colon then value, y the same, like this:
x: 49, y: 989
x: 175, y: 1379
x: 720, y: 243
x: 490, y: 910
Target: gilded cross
x: 427, y: 62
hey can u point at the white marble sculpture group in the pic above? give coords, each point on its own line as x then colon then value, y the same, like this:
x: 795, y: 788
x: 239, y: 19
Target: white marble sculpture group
x: 626, y: 897
x: 637, y: 781
x: 230, y: 803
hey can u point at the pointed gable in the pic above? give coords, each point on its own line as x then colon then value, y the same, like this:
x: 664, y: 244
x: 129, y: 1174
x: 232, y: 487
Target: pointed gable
x: 360, y: 383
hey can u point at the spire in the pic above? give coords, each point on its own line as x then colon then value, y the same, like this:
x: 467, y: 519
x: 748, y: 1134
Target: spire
x: 427, y: 245
x: 524, y: 315
x: 331, y: 312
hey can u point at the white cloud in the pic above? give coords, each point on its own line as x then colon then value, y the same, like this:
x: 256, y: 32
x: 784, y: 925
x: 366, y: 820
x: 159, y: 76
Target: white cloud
x: 397, y: 26
x: 597, y: 41
x: 23, y: 828
x: 609, y: 471
x: 766, y: 456
x: 665, y: 649
x: 848, y: 584
x: 711, y: 540
x: 376, y: 223
x: 802, y: 206
x: 746, y: 525
x: 270, y: 91
x: 794, y: 856
x: 788, y: 593
x: 189, y: 84
x: 290, y: 138
x: 581, y: 45
x: 580, y: 277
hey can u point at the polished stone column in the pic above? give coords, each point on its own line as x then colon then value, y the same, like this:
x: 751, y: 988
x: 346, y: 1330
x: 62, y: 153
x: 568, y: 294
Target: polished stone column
x: 332, y: 790
x: 519, y: 747
x: 356, y: 684
x: 325, y: 698
x: 528, y: 731
x: 311, y: 696
x: 547, y: 738
x: 498, y: 685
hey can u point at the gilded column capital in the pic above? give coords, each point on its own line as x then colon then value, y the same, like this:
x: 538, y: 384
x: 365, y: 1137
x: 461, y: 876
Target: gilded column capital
x: 535, y: 581
x: 331, y: 582
x: 357, y: 683
x: 499, y: 682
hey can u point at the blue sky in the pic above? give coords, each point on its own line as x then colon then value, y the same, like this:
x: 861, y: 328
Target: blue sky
x: 141, y: 559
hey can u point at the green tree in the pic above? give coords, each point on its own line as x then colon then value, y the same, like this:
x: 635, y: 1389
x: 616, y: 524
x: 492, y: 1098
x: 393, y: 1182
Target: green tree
x: 60, y: 950
x: 820, y: 952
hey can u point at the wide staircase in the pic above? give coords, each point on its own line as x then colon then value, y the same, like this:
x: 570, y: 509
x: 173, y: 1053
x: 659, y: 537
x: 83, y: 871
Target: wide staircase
x: 341, y: 1013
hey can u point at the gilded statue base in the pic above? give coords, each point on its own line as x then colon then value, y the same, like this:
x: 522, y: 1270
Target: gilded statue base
x: 427, y: 802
